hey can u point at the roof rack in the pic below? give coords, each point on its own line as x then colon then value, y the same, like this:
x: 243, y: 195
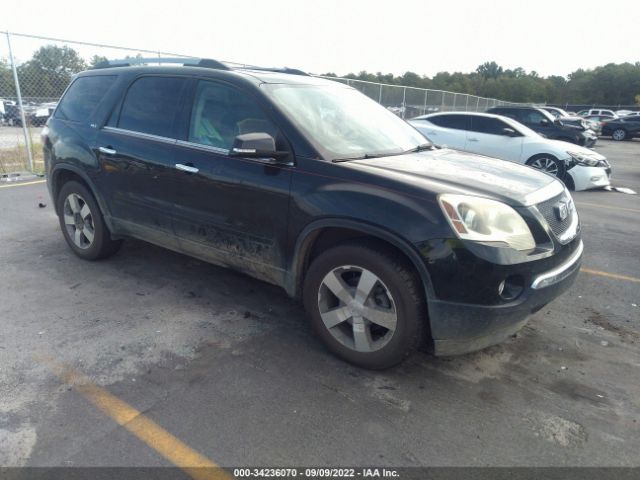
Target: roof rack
x: 186, y: 61
x: 194, y: 62
x: 290, y: 71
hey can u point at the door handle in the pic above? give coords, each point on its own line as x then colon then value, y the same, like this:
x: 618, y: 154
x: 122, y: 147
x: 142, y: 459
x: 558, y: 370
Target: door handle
x: 186, y: 168
x: 472, y: 139
x: 107, y: 150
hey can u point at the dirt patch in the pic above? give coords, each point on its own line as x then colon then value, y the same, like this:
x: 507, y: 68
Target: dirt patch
x: 625, y: 334
x: 558, y: 430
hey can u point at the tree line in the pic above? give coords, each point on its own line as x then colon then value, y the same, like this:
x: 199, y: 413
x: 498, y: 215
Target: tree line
x: 50, y: 69
x: 611, y: 84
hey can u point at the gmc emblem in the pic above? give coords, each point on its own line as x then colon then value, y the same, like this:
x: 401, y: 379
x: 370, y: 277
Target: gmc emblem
x: 562, y: 210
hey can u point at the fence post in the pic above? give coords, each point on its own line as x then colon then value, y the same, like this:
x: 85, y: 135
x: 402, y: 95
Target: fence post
x: 426, y: 92
x: 380, y: 95
x: 478, y: 105
x: 404, y: 100
x: 466, y: 104
x: 27, y: 139
x: 455, y: 96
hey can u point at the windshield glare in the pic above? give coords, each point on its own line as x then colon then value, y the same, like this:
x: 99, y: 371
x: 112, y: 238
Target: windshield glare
x: 343, y: 123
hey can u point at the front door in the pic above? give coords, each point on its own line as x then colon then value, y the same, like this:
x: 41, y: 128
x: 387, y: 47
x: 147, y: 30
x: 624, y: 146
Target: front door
x: 486, y: 136
x: 232, y: 211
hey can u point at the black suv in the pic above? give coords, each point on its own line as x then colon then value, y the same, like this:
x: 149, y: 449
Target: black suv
x: 306, y: 183
x: 544, y: 123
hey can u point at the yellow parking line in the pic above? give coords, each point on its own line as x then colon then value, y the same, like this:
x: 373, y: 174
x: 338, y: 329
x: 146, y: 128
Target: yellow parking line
x: 610, y: 275
x: 193, y: 463
x: 24, y: 184
x: 595, y: 205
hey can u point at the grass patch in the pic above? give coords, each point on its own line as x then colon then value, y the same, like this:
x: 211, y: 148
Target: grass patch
x: 16, y: 159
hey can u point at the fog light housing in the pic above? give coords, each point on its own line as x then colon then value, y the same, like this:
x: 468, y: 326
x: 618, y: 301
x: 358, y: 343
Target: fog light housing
x: 511, y: 287
x: 596, y: 178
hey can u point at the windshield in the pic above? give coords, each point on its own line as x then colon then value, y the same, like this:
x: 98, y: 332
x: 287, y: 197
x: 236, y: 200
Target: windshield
x: 342, y: 123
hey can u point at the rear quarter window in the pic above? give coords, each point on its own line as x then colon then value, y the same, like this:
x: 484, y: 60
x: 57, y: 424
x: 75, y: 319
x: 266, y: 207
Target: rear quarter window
x: 83, y: 96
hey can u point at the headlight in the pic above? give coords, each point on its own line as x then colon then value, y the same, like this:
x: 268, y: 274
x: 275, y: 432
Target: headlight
x: 581, y: 159
x: 483, y: 220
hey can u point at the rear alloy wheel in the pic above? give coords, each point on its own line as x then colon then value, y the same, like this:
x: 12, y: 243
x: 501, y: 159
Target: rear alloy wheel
x: 366, y: 304
x: 619, y: 134
x: 547, y: 163
x: 82, y: 224
x: 78, y: 221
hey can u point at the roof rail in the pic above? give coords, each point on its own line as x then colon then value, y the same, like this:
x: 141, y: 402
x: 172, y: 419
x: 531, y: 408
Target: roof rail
x: 186, y: 61
x: 290, y: 71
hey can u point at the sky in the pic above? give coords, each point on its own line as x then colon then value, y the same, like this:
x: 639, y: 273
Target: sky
x: 426, y: 37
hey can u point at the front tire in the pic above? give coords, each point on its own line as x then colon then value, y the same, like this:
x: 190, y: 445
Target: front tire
x: 82, y: 223
x: 366, y: 303
x: 548, y: 163
x: 619, y: 134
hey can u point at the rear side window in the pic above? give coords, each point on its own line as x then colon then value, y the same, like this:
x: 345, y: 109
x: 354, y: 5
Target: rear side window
x: 457, y: 122
x: 151, y: 105
x: 83, y: 96
x: 491, y: 126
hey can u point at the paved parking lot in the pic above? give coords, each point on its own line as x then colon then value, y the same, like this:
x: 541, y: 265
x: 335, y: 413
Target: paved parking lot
x: 188, y: 358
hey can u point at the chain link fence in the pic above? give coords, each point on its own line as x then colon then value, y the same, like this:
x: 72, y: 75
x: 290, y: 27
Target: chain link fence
x: 35, y: 71
x: 409, y: 102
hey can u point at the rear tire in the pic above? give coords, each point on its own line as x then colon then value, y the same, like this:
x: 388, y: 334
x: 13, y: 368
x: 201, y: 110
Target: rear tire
x: 366, y: 303
x: 549, y: 164
x: 82, y: 223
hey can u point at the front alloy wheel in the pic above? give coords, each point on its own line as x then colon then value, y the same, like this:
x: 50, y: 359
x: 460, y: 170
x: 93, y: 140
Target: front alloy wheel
x: 545, y: 164
x: 366, y: 303
x: 357, y: 308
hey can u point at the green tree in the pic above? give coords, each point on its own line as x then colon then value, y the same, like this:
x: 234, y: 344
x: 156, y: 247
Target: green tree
x: 49, y: 71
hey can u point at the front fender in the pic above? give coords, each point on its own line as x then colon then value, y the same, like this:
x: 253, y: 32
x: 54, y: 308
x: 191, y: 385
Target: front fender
x: 306, y: 238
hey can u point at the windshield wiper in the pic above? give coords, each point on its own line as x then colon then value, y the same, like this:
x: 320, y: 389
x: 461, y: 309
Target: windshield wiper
x: 366, y: 156
x: 420, y: 148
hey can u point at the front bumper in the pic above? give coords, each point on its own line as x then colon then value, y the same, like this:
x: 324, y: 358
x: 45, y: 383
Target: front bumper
x: 458, y: 328
x: 585, y: 178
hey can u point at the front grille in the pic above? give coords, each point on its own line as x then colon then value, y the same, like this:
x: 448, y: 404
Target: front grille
x: 549, y: 212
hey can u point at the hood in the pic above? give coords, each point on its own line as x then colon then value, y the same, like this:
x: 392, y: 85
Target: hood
x: 572, y: 147
x: 451, y: 171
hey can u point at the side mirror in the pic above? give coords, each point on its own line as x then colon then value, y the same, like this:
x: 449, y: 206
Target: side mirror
x: 558, y: 122
x: 509, y: 132
x: 256, y: 145
x: 544, y: 122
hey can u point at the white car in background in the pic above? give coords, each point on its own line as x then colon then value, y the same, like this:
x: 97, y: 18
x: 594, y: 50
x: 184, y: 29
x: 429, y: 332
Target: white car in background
x: 502, y: 137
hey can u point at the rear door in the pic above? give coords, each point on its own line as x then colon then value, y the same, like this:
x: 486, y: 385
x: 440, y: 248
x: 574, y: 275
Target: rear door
x: 487, y: 136
x: 448, y: 130
x: 137, y: 150
x: 229, y: 210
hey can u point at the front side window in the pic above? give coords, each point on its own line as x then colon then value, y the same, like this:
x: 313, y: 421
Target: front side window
x: 342, y: 122
x: 220, y: 113
x: 83, y: 97
x: 491, y: 126
x: 534, y: 116
x: 151, y: 105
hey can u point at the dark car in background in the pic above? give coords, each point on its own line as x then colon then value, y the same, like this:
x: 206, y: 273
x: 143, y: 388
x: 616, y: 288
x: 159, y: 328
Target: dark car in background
x: 624, y: 128
x: 308, y: 184
x: 546, y: 124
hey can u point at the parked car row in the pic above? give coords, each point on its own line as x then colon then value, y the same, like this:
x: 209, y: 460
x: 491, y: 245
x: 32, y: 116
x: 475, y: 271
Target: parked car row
x: 36, y: 114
